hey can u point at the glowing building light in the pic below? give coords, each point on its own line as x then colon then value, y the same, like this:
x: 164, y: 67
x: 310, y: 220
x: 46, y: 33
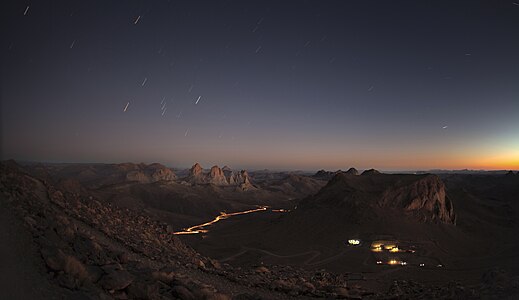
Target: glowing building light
x: 377, y: 249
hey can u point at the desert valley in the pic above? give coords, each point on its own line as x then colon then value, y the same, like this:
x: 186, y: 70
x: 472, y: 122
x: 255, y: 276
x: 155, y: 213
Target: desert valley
x: 152, y: 232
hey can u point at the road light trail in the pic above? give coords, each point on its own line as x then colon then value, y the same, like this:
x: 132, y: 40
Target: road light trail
x: 223, y: 215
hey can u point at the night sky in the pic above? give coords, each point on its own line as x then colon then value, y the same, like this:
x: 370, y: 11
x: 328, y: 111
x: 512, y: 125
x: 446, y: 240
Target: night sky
x: 393, y: 85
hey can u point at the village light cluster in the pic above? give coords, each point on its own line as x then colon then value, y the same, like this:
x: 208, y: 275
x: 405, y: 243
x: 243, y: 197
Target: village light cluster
x: 354, y: 242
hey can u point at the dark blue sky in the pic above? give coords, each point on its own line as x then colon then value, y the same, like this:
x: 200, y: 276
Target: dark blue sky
x: 282, y: 84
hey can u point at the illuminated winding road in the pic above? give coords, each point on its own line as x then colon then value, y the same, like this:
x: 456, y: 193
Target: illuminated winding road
x: 223, y: 215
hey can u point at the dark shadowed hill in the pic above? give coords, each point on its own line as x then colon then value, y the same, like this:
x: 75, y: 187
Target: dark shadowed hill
x: 296, y: 185
x: 361, y: 198
x: 99, y: 175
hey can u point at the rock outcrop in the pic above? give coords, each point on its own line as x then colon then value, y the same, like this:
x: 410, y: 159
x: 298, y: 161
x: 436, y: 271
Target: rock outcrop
x: 196, y: 170
x: 138, y: 176
x: 370, y: 172
x: 425, y: 198
x: 196, y: 175
x: 243, y: 181
x: 219, y: 177
x: 149, y: 173
x: 160, y: 173
x: 352, y: 171
x: 420, y: 197
x: 242, y: 177
x: 326, y: 175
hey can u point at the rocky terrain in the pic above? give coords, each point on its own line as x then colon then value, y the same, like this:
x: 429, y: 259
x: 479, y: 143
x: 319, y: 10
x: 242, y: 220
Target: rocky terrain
x: 448, y: 224
x: 99, y: 175
x: 298, y: 186
x: 327, y: 175
x: 86, y: 247
x: 422, y: 197
x: 199, y: 194
x: 98, y: 251
x: 219, y: 177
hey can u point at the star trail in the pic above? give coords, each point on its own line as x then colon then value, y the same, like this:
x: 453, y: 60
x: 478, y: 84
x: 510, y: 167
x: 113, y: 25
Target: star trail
x: 393, y: 85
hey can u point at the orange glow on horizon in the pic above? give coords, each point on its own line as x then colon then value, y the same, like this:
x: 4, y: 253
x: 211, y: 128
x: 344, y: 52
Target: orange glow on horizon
x: 508, y: 161
x: 472, y: 160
